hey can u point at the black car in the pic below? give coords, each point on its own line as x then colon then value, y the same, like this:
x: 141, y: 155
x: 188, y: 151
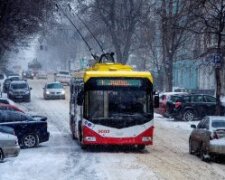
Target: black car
x: 30, y: 130
x: 27, y: 75
x: 193, y: 106
x: 8, y: 81
x: 19, y: 90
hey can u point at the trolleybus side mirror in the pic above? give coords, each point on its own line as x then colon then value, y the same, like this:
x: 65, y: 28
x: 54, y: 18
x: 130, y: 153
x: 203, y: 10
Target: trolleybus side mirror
x: 156, y: 99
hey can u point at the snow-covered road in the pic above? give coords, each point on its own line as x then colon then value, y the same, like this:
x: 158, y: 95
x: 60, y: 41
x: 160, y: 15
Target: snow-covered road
x: 62, y: 159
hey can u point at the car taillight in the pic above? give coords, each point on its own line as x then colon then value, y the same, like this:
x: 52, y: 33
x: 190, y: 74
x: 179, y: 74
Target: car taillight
x: 177, y: 105
x: 214, y: 135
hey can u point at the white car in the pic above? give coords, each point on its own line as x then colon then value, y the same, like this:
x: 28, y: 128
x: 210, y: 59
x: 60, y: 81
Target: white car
x: 9, y: 146
x: 208, y: 138
x: 54, y: 90
x: 42, y: 75
x: 63, y: 77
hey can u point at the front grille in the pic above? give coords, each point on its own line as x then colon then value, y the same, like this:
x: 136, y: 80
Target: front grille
x: 55, y: 93
x: 19, y: 93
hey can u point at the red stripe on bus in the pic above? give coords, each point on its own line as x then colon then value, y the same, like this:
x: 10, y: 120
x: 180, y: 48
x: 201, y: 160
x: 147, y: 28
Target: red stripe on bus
x: 100, y: 140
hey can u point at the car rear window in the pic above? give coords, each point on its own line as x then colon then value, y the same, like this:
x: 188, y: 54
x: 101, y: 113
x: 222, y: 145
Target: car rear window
x: 197, y: 98
x: 186, y: 99
x: 210, y: 99
x: 174, y: 98
x: 14, y: 78
x: 218, y: 123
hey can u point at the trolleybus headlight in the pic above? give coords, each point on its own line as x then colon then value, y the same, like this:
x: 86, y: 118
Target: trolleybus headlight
x: 146, y: 139
x: 90, y: 138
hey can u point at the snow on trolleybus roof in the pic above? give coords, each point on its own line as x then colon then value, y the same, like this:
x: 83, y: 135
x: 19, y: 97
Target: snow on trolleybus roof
x: 115, y: 70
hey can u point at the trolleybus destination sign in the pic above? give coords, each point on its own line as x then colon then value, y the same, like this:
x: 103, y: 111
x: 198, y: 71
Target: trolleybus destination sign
x: 119, y: 82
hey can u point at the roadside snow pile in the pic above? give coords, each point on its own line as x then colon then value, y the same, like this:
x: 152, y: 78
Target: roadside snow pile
x: 168, y: 122
x: 120, y: 166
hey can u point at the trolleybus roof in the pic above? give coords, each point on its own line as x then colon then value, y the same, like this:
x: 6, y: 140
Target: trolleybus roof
x: 115, y: 70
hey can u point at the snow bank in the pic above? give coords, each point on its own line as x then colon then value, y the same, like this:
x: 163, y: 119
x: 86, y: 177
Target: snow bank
x: 170, y: 123
x: 217, y: 142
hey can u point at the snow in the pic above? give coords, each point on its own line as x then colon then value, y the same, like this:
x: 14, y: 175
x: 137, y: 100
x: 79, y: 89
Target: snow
x: 171, y: 123
x: 220, y: 142
x: 61, y: 157
x: 124, y: 167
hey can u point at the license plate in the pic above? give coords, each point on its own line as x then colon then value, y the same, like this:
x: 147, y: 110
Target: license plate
x: 19, y: 96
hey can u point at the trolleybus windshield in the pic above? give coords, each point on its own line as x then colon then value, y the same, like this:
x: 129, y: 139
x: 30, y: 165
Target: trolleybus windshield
x: 126, y: 100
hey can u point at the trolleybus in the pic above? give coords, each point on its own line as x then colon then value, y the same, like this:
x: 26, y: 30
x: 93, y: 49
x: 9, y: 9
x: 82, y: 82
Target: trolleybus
x: 112, y: 105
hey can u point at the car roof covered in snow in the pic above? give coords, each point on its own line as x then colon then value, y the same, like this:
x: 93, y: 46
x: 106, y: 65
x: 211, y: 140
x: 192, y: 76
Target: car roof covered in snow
x: 173, y: 93
x: 19, y: 82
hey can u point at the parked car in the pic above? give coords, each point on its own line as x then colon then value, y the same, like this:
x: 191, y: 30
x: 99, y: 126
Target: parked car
x: 63, y: 77
x: 165, y: 108
x: 10, y: 107
x: 27, y: 75
x: 7, y: 101
x: 8, y: 81
x: 9, y: 146
x: 30, y: 130
x: 208, y: 138
x: 42, y: 75
x: 19, y: 90
x: 10, y: 75
x: 54, y: 90
x: 194, y: 106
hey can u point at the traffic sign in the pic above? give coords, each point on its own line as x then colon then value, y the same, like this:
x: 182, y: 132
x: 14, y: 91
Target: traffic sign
x: 217, y: 60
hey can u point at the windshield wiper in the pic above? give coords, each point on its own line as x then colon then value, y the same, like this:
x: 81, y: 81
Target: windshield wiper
x: 131, y: 114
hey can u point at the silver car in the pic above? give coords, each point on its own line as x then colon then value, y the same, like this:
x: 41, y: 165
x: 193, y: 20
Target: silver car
x: 9, y: 146
x: 63, y: 77
x: 42, y: 75
x: 208, y: 138
x: 54, y: 90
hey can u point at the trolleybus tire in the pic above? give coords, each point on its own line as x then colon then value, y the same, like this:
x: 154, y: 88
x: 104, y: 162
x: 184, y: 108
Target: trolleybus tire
x: 140, y: 147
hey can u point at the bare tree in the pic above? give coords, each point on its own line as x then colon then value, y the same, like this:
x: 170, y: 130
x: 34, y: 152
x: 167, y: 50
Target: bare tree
x: 20, y: 19
x: 173, y: 14
x: 120, y: 20
x: 210, y: 20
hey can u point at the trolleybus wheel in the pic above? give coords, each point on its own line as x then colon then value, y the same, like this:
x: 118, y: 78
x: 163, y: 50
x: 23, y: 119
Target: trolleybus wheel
x: 140, y: 147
